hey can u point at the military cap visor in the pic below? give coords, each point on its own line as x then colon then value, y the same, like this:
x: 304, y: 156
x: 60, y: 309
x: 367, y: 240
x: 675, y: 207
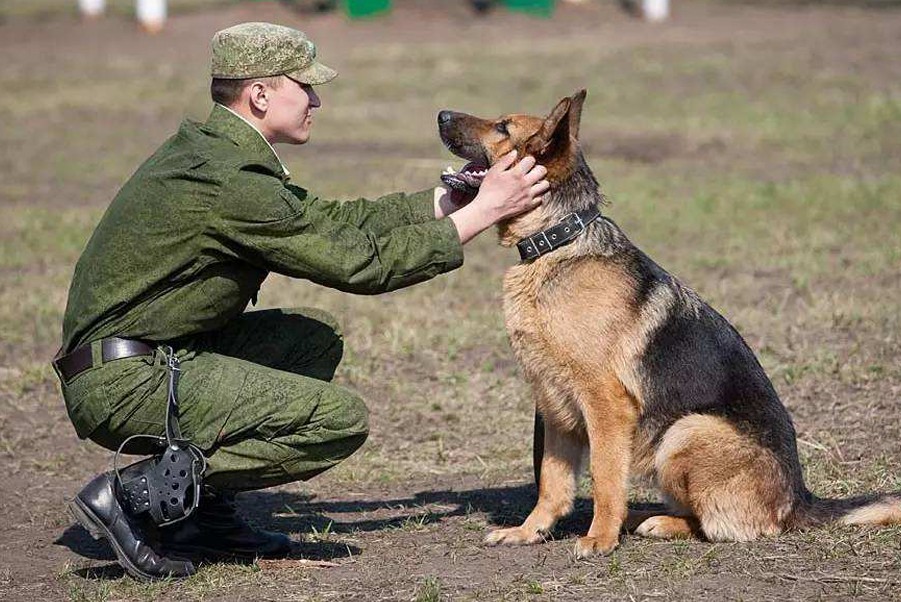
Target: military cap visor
x: 315, y: 74
x: 253, y: 50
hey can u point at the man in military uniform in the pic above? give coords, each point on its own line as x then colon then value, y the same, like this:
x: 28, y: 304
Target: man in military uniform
x: 179, y: 253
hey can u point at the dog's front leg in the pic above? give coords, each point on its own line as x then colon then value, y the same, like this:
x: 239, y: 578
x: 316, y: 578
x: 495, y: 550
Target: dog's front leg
x: 611, y: 426
x: 556, y: 489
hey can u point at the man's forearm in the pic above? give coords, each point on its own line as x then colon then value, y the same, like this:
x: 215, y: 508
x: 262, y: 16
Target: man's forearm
x: 379, y: 215
x: 471, y: 221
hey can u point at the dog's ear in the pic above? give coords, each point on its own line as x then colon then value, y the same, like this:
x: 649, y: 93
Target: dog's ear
x: 575, y: 112
x: 553, y: 136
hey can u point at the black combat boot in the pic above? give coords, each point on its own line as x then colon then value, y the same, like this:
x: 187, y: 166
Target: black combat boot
x: 98, y: 510
x: 215, y: 531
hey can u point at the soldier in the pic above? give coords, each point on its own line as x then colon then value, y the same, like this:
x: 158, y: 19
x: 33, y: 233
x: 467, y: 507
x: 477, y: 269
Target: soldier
x: 179, y: 253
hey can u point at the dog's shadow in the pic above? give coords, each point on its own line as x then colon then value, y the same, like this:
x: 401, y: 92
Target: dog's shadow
x: 322, y: 523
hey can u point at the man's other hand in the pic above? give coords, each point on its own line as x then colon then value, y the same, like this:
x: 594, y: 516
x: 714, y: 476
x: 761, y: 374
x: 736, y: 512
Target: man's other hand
x: 448, y: 200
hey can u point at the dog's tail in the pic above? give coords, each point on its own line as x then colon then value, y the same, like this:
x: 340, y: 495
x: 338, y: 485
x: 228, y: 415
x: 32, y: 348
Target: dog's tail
x: 871, y: 509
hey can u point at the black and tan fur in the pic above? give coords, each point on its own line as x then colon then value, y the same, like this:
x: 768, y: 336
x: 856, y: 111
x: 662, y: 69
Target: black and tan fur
x: 623, y: 358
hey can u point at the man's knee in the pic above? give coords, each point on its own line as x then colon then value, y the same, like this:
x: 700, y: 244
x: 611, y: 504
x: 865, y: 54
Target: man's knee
x: 349, y: 416
x: 342, y: 427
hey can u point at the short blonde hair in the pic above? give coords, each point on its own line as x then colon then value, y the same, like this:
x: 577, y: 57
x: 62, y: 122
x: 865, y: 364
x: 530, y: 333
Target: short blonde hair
x: 228, y: 91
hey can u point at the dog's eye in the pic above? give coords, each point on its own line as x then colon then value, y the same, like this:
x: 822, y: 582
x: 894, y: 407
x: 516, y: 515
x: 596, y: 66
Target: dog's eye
x: 501, y: 126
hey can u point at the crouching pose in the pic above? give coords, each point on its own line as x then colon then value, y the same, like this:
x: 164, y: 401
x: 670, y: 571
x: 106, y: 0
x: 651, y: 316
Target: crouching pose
x: 163, y: 284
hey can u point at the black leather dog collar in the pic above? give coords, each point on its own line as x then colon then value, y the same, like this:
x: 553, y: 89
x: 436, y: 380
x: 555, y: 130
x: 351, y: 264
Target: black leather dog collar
x: 556, y: 236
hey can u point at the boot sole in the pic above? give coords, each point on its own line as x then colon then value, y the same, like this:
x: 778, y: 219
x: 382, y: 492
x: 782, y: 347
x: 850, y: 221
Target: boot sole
x: 87, y: 519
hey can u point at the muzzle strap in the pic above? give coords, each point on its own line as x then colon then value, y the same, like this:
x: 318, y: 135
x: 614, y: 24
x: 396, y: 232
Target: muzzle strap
x: 167, y: 485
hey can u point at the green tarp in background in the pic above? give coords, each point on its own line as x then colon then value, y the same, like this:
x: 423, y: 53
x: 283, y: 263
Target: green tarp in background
x: 357, y: 9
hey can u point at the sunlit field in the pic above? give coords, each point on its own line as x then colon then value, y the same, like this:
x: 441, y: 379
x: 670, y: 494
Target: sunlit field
x: 754, y: 152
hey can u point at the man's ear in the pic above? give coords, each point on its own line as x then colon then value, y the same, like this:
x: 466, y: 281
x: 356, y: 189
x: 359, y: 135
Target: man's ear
x: 258, y: 96
x: 553, y: 136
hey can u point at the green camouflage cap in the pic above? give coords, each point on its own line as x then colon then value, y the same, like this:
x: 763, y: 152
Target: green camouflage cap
x: 262, y: 50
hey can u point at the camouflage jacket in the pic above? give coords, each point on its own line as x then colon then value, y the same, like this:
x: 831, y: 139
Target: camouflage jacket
x: 189, y: 239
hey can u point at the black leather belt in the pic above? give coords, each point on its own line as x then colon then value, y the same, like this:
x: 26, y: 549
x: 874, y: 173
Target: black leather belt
x: 77, y: 361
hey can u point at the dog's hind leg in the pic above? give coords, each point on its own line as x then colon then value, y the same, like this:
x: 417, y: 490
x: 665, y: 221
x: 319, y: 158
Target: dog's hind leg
x: 665, y: 521
x: 735, y: 488
x: 556, y: 489
x: 666, y: 526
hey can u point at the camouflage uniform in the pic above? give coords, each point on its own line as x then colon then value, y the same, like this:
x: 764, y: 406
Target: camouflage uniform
x: 184, y: 247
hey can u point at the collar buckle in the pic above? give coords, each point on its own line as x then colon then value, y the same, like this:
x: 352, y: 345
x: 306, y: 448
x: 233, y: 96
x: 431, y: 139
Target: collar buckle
x: 578, y: 219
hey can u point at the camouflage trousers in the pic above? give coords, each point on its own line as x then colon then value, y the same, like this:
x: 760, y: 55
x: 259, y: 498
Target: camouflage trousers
x: 256, y: 396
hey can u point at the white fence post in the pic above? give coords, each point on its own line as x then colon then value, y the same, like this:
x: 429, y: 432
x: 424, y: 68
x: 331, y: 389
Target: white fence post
x: 91, y: 9
x: 655, y: 10
x: 151, y: 14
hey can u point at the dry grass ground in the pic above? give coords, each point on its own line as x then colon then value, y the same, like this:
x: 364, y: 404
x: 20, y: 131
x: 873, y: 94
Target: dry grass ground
x: 754, y: 152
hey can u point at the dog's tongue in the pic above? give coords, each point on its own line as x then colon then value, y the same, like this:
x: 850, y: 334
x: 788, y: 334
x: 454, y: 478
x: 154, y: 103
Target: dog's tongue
x: 467, y: 179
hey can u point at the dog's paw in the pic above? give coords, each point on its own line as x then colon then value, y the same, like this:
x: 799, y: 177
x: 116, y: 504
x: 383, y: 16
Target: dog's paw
x: 515, y: 536
x: 664, y: 527
x: 591, y: 546
x: 654, y: 528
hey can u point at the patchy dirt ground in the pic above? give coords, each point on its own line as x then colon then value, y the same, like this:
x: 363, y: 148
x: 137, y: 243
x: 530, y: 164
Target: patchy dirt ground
x: 753, y: 151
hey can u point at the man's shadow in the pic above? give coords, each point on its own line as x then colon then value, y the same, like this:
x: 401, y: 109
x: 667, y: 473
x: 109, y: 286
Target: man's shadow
x: 285, y: 511
x: 503, y: 506
x: 321, y: 523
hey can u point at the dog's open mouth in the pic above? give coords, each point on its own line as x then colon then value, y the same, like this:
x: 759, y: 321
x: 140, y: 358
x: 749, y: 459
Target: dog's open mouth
x: 468, y: 179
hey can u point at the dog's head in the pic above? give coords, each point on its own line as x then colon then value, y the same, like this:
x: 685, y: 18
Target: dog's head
x: 552, y: 140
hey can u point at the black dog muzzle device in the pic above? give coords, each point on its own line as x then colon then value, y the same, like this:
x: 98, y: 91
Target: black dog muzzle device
x: 165, y: 486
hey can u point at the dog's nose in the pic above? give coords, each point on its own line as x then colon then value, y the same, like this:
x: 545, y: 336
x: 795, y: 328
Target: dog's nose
x: 444, y: 117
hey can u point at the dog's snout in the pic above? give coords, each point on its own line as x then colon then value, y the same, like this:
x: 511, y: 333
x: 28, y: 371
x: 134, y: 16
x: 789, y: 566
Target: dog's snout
x: 445, y: 117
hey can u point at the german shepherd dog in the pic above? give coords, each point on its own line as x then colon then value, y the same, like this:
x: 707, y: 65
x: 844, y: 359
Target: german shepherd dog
x: 623, y: 358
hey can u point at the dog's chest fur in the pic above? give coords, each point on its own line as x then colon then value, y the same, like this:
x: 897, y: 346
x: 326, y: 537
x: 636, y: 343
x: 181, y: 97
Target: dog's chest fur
x: 563, y: 315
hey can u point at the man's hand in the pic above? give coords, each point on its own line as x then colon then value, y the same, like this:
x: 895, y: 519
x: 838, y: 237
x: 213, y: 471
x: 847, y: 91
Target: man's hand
x: 448, y: 200
x: 508, y: 189
x: 511, y: 188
